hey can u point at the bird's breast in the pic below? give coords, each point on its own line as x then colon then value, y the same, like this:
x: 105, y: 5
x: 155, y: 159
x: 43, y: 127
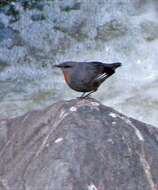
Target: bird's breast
x: 66, y: 77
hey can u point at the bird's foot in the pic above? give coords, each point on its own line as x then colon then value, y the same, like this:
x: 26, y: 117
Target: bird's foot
x: 82, y: 97
x: 86, y: 96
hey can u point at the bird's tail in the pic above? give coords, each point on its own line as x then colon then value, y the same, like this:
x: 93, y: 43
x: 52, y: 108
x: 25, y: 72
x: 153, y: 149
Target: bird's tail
x: 115, y: 65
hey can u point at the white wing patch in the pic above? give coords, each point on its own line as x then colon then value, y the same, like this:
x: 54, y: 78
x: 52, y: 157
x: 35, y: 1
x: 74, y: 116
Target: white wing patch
x: 101, y: 77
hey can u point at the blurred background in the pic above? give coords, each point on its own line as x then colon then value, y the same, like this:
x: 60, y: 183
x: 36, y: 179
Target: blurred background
x: 34, y: 34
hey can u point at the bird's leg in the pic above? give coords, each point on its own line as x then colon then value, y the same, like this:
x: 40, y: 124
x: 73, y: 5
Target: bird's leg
x: 82, y: 95
x: 87, y: 95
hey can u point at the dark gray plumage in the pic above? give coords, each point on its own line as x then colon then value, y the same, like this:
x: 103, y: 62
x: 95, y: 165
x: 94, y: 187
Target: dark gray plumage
x: 86, y: 76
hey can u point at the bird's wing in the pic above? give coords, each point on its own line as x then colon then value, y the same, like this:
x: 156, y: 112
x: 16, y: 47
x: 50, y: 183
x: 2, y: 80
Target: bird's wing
x: 101, y: 77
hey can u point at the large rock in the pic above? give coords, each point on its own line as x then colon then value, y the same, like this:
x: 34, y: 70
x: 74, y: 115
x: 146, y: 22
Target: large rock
x: 78, y: 144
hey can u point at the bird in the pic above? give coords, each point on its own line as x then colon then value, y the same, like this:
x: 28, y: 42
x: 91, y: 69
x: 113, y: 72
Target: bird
x: 86, y: 77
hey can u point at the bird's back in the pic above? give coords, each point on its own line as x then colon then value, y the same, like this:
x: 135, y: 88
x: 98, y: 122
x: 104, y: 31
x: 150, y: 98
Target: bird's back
x: 83, y: 75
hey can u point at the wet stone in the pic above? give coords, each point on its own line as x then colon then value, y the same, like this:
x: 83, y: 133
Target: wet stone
x: 149, y: 30
x: 38, y: 17
x: 111, y: 30
x: 68, y: 8
x: 1, y: 25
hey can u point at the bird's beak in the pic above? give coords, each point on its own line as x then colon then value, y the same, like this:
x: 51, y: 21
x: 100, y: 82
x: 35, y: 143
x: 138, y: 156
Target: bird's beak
x: 54, y: 66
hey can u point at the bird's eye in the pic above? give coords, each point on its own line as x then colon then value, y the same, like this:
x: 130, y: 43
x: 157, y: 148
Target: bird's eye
x: 67, y: 66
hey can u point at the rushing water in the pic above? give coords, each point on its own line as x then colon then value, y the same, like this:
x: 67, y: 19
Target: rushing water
x: 124, y: 31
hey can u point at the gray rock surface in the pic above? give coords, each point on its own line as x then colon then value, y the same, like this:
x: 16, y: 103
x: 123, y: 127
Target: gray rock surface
x: 77, y: 144
x: 111, y: 30
x: 149, y: 30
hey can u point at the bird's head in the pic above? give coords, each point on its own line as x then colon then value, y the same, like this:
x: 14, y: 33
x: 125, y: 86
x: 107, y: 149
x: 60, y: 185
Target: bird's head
x: 65, y: 66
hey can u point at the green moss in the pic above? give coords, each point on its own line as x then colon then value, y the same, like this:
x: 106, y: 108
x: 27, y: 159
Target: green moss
x: 10, y: 9
x: 13, y: 12
x: 27, y: 4
x: 1, y: 25
x: 67, y: 9
x: 33, y: 4
x: 3, y: 64
x: 75, y: 6
x: 38, y: 17
x: 6, y: 2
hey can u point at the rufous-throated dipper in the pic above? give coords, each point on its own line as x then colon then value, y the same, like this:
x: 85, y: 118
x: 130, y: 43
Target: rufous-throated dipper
x: 86, y: 77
